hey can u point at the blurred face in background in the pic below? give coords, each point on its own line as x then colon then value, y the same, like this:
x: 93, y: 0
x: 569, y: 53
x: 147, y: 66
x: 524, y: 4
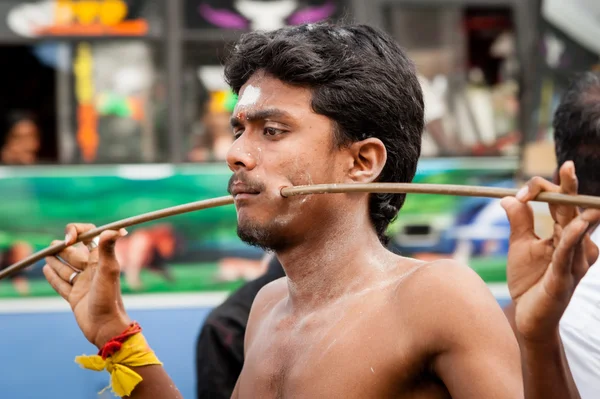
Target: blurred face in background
x: 218, y: 128
x: 22, y: 144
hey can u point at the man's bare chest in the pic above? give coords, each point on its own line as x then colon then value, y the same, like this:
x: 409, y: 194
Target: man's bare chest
x: 356, y: 352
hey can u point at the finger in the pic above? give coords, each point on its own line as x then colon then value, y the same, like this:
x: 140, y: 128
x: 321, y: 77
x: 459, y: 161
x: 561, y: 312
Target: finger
x: 556, y: 235
x: 62, y: 270
x: 73, y: 230
x: 561, y: 214
x: 568, y: 185
x: 73, y: 256
x: 520, y: 217
x: 580, y: 261
x: 58, y: 284
x: 568, y: 178
x: 570, y: 240
x: 592, y: 250
x: 592, y: 216
x: 586, y: 253
x: 535, y: 186
x: 108, y: 266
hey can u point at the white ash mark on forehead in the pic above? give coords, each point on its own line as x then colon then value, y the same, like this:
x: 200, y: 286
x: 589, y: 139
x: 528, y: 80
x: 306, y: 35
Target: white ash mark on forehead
x: 250, y: 96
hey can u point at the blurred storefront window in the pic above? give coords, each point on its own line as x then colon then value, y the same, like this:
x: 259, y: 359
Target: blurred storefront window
x: 118, y: 97
x: 90, y: 72
x: 133, y: 81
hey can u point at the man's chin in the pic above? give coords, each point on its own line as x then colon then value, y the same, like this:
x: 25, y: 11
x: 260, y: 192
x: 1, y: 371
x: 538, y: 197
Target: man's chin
x: 259, y: 236
x: 254, y: 237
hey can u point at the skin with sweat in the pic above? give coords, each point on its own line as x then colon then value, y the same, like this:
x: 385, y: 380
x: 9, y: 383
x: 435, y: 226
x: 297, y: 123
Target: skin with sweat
x: 351, y: 319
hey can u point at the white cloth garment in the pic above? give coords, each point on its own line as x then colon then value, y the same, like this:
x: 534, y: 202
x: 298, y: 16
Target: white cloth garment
x: 580, y: 331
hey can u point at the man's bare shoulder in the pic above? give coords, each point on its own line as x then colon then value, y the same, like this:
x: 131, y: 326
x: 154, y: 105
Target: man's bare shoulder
x: 448, y: 278
x: 450, y: 301
x: 269, y: 295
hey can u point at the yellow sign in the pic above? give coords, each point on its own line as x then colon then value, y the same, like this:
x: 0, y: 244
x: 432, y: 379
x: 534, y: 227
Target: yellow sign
x: 87, y: 17
x: 107, y: 12
x: 87, y: 117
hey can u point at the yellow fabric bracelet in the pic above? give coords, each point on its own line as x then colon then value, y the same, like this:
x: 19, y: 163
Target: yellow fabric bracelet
x: 135, y: 352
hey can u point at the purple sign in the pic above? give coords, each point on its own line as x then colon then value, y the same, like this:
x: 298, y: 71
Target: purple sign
x: 258, y: 14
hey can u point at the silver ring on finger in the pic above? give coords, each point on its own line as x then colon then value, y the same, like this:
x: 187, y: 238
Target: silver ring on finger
x: 72, y: 277
x: 64, y: 262
x: 93, y: 244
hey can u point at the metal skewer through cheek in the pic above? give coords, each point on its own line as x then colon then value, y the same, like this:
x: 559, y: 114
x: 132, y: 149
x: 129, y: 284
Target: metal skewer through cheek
x: 408, y: 188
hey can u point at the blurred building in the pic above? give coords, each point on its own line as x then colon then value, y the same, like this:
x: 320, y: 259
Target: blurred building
x: 131, y: 81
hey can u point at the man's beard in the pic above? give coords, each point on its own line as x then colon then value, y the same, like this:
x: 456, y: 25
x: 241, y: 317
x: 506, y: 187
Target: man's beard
x: 259, y: 236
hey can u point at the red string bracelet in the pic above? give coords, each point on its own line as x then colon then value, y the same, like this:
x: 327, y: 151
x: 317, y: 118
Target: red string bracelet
x: 115, y: 344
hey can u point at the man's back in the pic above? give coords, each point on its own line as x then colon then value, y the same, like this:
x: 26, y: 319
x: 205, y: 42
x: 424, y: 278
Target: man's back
x: 390, y: 338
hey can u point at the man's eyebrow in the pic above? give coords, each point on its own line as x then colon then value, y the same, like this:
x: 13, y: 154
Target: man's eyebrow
x: 259, y: 115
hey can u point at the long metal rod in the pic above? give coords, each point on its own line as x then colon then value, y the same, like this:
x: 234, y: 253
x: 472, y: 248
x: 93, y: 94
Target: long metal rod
x: 440, y: 189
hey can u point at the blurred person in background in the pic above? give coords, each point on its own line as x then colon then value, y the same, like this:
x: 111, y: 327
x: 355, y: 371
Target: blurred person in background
x: 214, y: 142
x: 577, y: 139
x: 220, y: 345
x: 16, y: 252
x: 436, y: 139
x: 150, y: 248
x: 20, y: 144
x: 20, y: 139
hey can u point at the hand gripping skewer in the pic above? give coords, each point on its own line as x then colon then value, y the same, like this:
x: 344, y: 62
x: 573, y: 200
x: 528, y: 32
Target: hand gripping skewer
x: 408, y: 188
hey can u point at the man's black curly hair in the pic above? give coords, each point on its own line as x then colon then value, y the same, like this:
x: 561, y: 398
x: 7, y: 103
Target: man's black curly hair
x: 360, y: 78
x: 577, y: 130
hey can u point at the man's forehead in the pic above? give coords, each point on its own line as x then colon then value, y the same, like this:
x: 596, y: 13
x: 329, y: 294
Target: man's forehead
x: 266, y: 92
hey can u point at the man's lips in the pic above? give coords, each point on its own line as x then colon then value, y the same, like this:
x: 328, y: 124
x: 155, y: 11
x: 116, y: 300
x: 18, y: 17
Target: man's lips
x: 241, y: 190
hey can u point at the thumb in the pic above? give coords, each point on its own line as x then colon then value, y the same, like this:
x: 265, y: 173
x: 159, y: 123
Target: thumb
x: 520, y: 217
x: 107, y: 260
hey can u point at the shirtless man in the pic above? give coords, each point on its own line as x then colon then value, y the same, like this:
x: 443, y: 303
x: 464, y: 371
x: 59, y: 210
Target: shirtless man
x: 323, y: 104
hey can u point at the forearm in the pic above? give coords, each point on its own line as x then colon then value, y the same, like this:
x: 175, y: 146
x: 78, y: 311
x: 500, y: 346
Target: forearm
x: 156, y: 384
x: 546, y: 371
x: 136, y: 355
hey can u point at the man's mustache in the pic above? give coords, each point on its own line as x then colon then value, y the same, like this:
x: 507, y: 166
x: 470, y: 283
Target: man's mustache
x: 249, y: 184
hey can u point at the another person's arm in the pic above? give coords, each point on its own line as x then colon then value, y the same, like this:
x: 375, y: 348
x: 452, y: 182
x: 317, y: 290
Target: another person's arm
x: 219, y: 356
x: 545, y: 361
x: 542, y: 275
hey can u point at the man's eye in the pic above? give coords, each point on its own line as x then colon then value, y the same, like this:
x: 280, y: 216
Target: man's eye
x: 271, y: 131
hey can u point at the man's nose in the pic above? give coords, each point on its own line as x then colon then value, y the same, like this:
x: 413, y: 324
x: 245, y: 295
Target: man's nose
x: 241, y: 154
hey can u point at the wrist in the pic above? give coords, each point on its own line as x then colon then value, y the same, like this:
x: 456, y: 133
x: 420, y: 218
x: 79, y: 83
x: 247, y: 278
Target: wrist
x: 542, y: 344
x: 110, y: 330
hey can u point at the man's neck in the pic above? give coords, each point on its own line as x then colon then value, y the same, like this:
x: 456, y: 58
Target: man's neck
x: 345, y: 259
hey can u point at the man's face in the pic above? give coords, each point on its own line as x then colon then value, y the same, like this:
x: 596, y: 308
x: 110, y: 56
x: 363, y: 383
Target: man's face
x: 281, y: 142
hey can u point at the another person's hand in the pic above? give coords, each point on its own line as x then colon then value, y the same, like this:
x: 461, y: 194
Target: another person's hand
x: 542, y: 274
x: 95, y: 293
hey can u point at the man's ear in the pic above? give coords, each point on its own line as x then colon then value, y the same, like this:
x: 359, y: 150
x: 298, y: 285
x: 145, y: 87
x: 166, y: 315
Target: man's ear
x: 369, y: 157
